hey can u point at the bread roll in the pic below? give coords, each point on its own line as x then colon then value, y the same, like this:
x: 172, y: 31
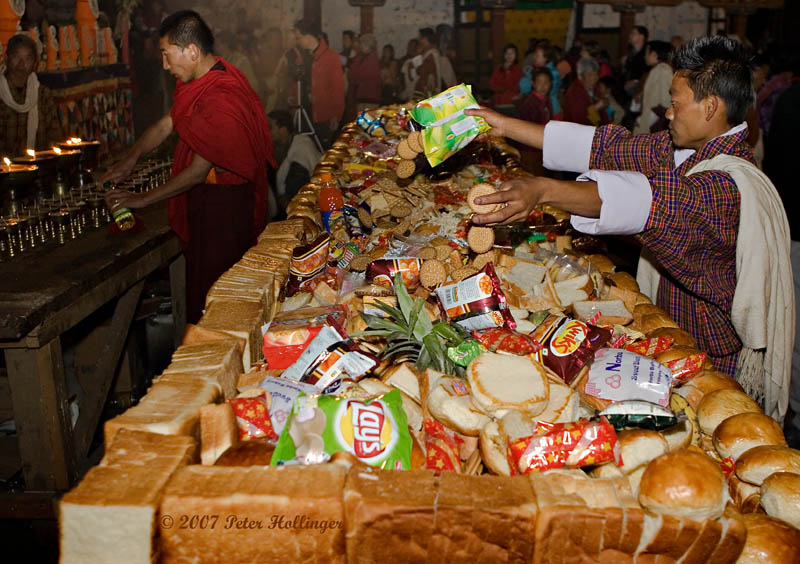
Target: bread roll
x: 769, y: 541
x: 780, y: 497
x: 717, y: 406
x: 700, y: 386
x: 683, y: 484
x: 747, y: 497
x: 642, y: 310
x: 739, y: 433
x: 503, y: 382
x: 757, y: 463
x: 602, y: 263
x: 638, y: 447
x: 451, y: 403
x: 653, y: 321
x: 624, y: 280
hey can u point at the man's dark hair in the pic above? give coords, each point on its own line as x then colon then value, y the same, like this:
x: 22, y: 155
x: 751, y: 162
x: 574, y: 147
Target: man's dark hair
x: 349, y: 33
x: 719, y: 66
x: 19, y: 41
x: 548, y: 51
x: 662, y: 49
x: 643, y: 31
x: 185, y: 27
x: 282, y: 118
x: 307, y: 27
x: 428, y: 34
x: 543, y: 72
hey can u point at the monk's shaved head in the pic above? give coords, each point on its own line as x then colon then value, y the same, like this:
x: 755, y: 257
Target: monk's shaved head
x: 186, y: 27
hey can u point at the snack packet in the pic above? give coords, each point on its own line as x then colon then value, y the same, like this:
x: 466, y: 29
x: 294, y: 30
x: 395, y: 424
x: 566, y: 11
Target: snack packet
x: 328, y: 336
x: 476, y: 302
x: 650, y: 347
x: 619, y: 375
x: 500, y: 339
x: 253, y: 417
x: 568, y: 345
x: 586, y: 442
x: 382, y: 271
x: 284, y: 393
x: 684, y: 369
x: 290, y: 333
x: 442, y: 448
x: 307, y: 262
x: 447, y: 129
x: 375, y: 431
x: 638, y: 414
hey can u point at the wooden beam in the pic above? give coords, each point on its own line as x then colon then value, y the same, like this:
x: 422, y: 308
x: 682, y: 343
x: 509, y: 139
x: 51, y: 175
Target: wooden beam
x: 177, y: 290
x: 627, y: 19
x: 498, y: 34
x: 367, y: 19
x: 42, y: 416
x: 105, y: 368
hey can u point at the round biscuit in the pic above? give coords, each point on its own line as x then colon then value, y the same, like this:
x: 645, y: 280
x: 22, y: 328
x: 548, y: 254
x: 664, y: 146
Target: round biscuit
x: 365, y: 218
x: 443, y: 251
x: 482, y: 189
x: 432, y: 273
x: 401, y: 210
x: 460, y: 273
x: 405, y: 151
x: 480, y: 239
x: 427, y: 253
x: 415, y: 141
x: 405, y: 168
x: 484, y: 258
x: 360, y: 263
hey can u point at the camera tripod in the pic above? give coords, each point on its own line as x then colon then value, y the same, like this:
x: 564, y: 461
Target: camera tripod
x: 301, y: 116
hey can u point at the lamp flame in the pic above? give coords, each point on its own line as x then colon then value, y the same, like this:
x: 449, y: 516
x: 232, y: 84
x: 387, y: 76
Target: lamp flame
x: 31, y: 153
x: 7, y: 161
x: 57, y: 150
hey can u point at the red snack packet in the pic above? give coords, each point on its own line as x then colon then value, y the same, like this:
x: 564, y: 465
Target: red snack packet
x: 727, y: 465
x: 650, y: 347
x: 503, y: 340
x: 558, y: 445
x: 684, y: 369
x: 441, y: 448
x: 476, y: 302
x: 290, y: 333
x: 252, y: 417
x: 567, y: 345
x: 307, y: 262
x: 382, y: 271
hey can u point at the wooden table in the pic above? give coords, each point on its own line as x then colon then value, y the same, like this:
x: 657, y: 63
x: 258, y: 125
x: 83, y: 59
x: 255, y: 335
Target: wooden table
x: 47, y: 292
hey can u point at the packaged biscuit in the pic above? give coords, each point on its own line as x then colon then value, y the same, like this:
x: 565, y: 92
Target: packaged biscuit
x: 284, y: 393
x: 620, y: 375
x: 253, y: 417
x: 568, y: 345
x: 290, y: 333
x: 500, y: 339
x: 447, y: 129
x: 308, y: 261
x: 382, y: 271
x: 650, y: 347
x: 586, y: 442
x: 476, y: 302
x: 373, y: 430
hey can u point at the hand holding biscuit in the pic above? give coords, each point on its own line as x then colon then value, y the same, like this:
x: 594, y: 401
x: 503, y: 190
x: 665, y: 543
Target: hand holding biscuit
x: 520, y: 197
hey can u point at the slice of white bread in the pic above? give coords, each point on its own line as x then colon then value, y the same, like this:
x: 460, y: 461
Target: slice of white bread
x: 573, y: 290
x: 110, y: 516
x: 501, y: 382
x: 240, y: 318
x: 493, y: 444
x: 780, y: 497
x: 562, y: 404
x: 412, y: 408
x: 221, y: 360
x: 612, y: 312
x: 218, y: 431
x: 170, y: 407
x: 405, y: 378
x: 292, y: 503
x: 451, y: 403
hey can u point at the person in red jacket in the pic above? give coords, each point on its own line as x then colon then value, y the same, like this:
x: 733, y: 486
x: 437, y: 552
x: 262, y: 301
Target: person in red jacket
x: 327, y: 81
x: 218, y: 191
x: 504, y: 82
x: 364, y: 75
x: 579, y: 97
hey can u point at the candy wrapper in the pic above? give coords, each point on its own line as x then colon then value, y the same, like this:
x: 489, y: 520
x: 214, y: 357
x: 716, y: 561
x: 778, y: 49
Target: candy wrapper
x: 464, y: 353
x: 375, y: 431
x: 329, y: 336
x: 586, y: 442
x: 307, y: 262
x: 476, y: 302
x: 619, y: 375
x: 684, y: 369
x: 442, y: 448
x: 253, y: 418
x: 650, y: 347
x: 447, y: 129
x: 638, y: 414
x: 568, y: 345
x: 382, y: 271
x: 500, y: 339
x: 371, y: 123
x: 284, y: 393
x: 332, y: 364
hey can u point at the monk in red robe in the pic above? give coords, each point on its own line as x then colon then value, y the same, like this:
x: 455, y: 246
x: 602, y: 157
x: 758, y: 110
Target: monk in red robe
x: 218, y: 190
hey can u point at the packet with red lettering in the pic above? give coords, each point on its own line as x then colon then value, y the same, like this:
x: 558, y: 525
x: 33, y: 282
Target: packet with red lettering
x: 373, y: 430
x: 252, y: 417
x: 586, y: 442
x: 308, y: 261
x: 568, y: 345
x: 441, y: 448
x: 382, y: 271
x: 500, y: 339
x: 476, y: 302
x: 650, y: 347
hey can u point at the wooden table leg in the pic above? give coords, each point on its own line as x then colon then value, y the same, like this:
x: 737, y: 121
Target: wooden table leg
x: 42, y: 416
x: 177, y: 284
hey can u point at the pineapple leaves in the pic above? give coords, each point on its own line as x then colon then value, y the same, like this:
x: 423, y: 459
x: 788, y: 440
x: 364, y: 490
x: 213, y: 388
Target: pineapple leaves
x: 375, y: 322
x: 418, y: 325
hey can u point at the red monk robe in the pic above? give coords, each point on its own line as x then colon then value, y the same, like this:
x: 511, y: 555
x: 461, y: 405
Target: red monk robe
x: 219, y: 117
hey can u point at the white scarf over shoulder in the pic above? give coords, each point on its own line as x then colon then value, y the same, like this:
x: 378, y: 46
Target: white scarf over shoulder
x: 763, y: 310
x: 30, y: 106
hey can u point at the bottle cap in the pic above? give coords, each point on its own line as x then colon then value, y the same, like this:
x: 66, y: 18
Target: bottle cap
x: 326, y: 177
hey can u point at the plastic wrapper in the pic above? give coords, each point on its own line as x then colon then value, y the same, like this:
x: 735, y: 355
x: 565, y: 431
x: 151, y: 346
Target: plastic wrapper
x: 442, y: 448
x: 341, y: 253
x: 638, y: 414
x: 290, y: 333
x: 308, y: 261
x: 336, y: 362
x: 329, y: 336
x: 650, y: 347
x: 447, y: 129
x: 284, y: 393
x: 352, y: 223
x: 374, y: 431
x: 586, y: 442
x: 253, y: 418
x: 382, y: 271
x: 464, y: 353
x: 568, y: 345
x: 500, y: 339
x: 372, y: 123
x: 476, y: 302
x: 620, y: 375
x: 684, y: 369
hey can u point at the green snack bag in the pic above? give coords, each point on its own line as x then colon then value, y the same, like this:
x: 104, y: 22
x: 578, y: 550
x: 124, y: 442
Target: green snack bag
x: 447, y: 129
x: 466, y: 352
x: 374, y: 430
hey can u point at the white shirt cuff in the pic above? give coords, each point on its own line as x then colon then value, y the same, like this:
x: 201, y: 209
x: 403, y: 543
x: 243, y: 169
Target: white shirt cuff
x: 567, y: 146
x: 627, y: 197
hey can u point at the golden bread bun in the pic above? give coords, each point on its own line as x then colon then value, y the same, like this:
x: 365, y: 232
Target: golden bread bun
x: 755, y: 465
x: 769, y: 541
x: 717, y: 406
x: 739, y: 433
x: 780, y: 497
